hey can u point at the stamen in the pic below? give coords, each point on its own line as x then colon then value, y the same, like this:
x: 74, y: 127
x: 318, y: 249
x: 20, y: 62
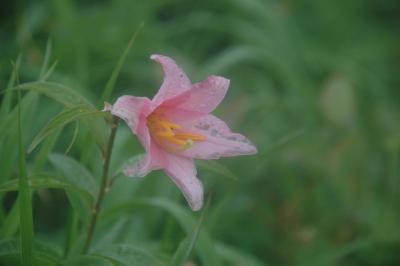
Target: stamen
x: 176, y: 141
x: 190, y: 136
x: 163, y: 132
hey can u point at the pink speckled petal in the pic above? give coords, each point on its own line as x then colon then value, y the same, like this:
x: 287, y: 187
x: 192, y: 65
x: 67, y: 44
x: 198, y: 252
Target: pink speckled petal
x: 154, y: 158
x: 134, y: 110
x: 205, y: 96
x: 183, y: 172
x: 131, y: 109
x: 175, y: 80
x: 220, y: 141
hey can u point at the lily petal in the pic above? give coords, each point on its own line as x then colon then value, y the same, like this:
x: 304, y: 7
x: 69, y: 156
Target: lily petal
x: 205, y: 96
x: 220, y: 141
x: 175, y: 80
x: 183, y: 172
x: 152, y: 160
x: 131, y: 109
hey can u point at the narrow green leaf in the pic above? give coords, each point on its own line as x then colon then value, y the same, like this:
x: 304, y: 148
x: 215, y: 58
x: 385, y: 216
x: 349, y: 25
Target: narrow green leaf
x: 10, y: 224
x: 45, y: 150
x: 74, y: 173
x: 9, y: 125
x: 70, y: 99
x: 78, y: 176
x: 112, y: 234
x: 49, y: 72
x: 205, y: 248
x: 236, y: 256
x: 6, y: 103
x: 87, y: 260
x: 9, y: 134
x: 227, y: 58
x: 74, y: 136
x: 9, y: 140
x: 217, y: 168
x: 41, y: 182
x: 61, y: 119
x: 111, y: 82
x: 186, y: 246
x: 72, y: 232
x: 283, y: 141
x: 46, y: 60
x: 334, y: 254
x: 58, y: 92
x: 128, y: 255
x: 45, y: 254
x: 25, y: 200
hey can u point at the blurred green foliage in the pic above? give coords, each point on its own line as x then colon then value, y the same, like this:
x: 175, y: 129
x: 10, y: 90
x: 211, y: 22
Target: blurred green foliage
x: 315, y: 84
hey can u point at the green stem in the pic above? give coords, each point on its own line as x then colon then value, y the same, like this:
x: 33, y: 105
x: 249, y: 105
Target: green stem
x: 103, y: 186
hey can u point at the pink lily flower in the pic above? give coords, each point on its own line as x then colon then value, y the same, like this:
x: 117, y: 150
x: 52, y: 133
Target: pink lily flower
x: 176, y: 127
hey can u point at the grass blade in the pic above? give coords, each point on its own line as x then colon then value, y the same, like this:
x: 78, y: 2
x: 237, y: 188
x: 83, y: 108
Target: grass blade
x: 204, y: 248
x: 45, y: 254
x: 186, y: 246
x: 76, y: 131
x: 85, y: 260
x: 60, y: 120
x: 218, y: 169
x: 235, y: 256
x: 25, y: 200
x: 46, y: 60
x: 49, y: 72
x: 6, y: 103
x: 111, y: 82
x: 126, y: 254
x: 10, y: 224
x: 75, y: 174
x: 58, y: 92
x: 70, y: 99
x: 43, y: 182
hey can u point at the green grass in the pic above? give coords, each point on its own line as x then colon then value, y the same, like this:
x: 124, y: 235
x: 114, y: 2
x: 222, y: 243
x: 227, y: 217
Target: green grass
x: 314, y: 84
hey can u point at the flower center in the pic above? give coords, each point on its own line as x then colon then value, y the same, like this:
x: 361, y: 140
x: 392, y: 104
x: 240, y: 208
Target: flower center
x: 170, y: 135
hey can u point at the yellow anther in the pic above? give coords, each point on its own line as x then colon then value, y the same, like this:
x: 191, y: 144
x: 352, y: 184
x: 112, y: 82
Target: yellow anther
x: 191, y: 136
x: 165, y: 134
x: 176, y: 141
x: 169, y: 135
x: 169, y: 125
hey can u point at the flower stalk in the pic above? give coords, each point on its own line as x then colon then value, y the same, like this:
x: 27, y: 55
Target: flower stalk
x: 103, y: 186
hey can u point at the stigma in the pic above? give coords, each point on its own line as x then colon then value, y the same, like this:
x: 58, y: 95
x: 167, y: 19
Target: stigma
x: 170, y: 135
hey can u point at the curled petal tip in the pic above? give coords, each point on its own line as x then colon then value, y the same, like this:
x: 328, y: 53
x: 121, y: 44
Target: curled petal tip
x: 155, y: 56
x: 220, y: 79
x: 196, y: 206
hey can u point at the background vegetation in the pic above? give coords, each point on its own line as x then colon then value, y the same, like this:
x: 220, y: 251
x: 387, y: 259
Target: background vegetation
x: 315, y: 84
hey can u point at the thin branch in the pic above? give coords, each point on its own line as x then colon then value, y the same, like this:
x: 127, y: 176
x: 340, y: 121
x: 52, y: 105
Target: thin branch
x: 103, y: 187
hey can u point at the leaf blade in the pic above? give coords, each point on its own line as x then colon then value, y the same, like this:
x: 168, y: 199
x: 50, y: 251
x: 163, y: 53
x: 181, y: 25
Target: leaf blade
x: 41, y: 182
x: 78, y: 176
x: 186, y: 246
x: 114, y: 75
x: 60, y: 120
x: 25, y: 200
x: 46, y: 60
x: 205, y: 247
x: 127, y: 254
